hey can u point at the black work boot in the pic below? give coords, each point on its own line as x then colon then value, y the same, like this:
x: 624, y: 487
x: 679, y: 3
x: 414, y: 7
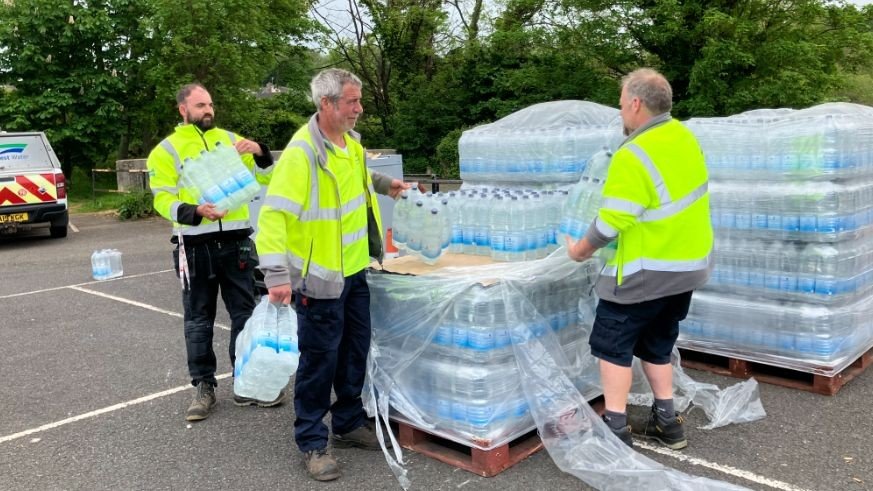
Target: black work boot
x: 670, y: 435
x: 248, y: 401
x: 204, y: 401
x: 623, y: 433
x: 363, y: 437
x: 321, y: 465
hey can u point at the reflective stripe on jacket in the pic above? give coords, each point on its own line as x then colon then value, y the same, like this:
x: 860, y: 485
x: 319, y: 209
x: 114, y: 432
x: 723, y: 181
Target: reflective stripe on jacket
x: 320, y: 220
x: 656, y: 203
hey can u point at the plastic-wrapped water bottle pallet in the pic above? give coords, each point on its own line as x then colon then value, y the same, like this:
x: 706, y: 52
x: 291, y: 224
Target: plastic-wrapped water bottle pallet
x: 486, y: 463
x: 785, y: 377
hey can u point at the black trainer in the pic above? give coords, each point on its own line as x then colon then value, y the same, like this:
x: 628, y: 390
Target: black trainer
x: 248, y: 401
x: 670, y: 435
x: 204, y: 401
x: 623, y: 434
x: 321, y: 465
x: 363, y: 437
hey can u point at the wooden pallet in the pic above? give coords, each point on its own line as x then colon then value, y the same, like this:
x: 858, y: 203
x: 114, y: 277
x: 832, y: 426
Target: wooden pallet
x: 486, y: 463
x: 786, y: 377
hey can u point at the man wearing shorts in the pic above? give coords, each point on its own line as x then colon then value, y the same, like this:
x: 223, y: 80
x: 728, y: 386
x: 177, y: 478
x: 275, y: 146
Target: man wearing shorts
x: 656, y: 206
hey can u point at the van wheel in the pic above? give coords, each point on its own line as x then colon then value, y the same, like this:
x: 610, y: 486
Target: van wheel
x: 58, y: 232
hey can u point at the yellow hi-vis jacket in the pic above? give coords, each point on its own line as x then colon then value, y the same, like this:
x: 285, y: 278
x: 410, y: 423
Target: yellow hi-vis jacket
x: 320, y: 220
x: 177, y: 203
x: 656, y: 204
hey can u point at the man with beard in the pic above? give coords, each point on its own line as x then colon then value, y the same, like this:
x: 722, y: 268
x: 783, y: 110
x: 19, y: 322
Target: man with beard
x: 213, y: 245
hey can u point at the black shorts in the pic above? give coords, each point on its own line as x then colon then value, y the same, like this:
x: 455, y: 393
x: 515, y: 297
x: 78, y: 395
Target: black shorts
x: 647, y: 330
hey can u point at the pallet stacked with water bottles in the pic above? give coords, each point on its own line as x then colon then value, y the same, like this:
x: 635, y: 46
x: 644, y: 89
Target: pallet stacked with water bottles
x: 792, y: 208
x: 445, y: 342
x: 459, y: 380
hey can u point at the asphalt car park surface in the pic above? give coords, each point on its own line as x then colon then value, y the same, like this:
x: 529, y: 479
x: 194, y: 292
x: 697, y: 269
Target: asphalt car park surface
x: 94, y: 389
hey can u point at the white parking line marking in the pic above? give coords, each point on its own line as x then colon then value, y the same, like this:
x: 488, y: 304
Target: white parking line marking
x: 104, y: 410
x: 138, y: 304
x: 74, y: 228
x: 13, y: 295
x: 725, y: 469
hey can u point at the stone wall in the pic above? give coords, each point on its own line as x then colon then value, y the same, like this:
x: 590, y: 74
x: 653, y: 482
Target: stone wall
x: 131, y: 175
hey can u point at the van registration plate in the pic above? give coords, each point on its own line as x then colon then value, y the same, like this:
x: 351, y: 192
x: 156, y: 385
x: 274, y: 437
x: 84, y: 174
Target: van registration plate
x: 14, y: 218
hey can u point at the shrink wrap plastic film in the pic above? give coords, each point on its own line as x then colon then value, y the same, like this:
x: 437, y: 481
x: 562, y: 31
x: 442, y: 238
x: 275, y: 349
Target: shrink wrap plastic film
x: 485, y: 391
x: 821, y: 143
x: 791, y: 194
x: 546, y: 143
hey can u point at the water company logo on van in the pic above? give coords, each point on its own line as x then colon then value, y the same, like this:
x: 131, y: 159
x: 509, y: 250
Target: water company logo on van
x: 7, y: 148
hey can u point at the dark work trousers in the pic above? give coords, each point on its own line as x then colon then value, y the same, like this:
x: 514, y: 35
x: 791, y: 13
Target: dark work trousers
x: 213, y: 266
x: 334, y: 339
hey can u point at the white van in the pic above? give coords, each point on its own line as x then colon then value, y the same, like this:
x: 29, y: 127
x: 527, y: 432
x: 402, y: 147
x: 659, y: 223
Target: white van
x: 33, y: 190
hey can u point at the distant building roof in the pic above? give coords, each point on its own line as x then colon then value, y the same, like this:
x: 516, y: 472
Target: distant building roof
x: 271, y: 90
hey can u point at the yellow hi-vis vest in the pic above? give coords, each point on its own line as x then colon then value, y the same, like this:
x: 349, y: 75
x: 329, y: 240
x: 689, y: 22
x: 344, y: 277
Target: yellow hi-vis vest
x: 165, y: 164
x: 656, y: 203
x: 320, y: 220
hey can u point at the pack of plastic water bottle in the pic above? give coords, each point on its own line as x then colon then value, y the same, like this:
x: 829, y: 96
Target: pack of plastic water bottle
x: 811, y: 338
x: 820, y: 143
x: 445, y: 340
x: 106, y: 264
x: 266, y: 352
x: 810, y: 211
x: 506, y: 224
x: 810, y: 272
x: 544, y: 143
x: 220, y: 177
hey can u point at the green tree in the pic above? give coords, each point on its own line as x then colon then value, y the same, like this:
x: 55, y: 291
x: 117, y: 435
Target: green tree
x: 387, y: 44
x: 273, y: 120
x: 726, y: 57
x: 61, y: 61
x: 230, y: 46
x: 515, y: 66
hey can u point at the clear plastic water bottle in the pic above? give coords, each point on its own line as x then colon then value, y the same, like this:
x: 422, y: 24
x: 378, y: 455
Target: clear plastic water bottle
x: 445, y: 224
x: 481, y: 234
x: 400, y: 220
x: 529, y: 228
x: 431, y: 237
x: 223, y: 175
x: 414, y: 236
x: 469, y: 216
x: 201, y: 175
x: 515, y: 241
x: 187, y: 180
x: 246, y: 185
x: 541, y: 221
x: 287, y: 328
x: 116, y: 269
x: 100, y: 266
x: 455, y: 217
x: 499, y: 229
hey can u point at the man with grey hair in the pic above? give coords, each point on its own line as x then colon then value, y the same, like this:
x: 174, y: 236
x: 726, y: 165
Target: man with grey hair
x: 656, y: 207
x: 318, y: 228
